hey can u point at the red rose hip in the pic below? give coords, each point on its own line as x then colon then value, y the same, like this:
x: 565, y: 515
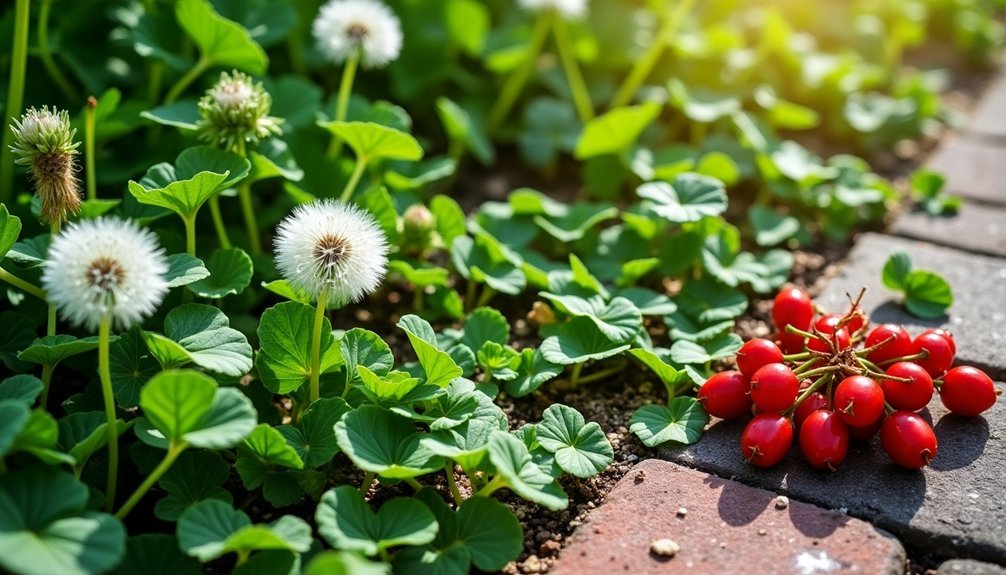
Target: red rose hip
x: 792, y: 306
x: 814, y: 402
x: 766, y: 439
x: 908, y: 439
x: 910, y: 395
x: 967, y: 391
x: 774, y: 387
x: 725, y: 395
x: 941, y: 353
x: 859, y: 401
x: 824, y: 440
x: 757, y: 353
x: 899, y: 346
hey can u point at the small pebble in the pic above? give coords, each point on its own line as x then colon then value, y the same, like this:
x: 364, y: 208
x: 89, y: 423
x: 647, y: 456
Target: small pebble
x: 682, y: 512
x: 781, y: 502
x: 664, y: 548
x: 762, y: 532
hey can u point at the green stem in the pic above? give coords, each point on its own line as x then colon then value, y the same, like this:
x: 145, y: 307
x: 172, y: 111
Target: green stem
x: 797, y: 356
x: 411, y: 481
x: 319, y: 322
x: 169, y: 458
x: 455, y: 492
x: 15, y: 96
x: 598, y: 375
x: 92, y: 180
x: 155, y: 81
x: 218, y: 223
x: 342, y: 101
x: 819, y: 371
x: 354, y: 179
x: 487, y: 294
x: 190, y: 234
x: 248, y: 211
x: 470, y: 295
x: 43, y: 51
x: 574, y: 377
x: 46, y: 380
x: 497, y: 483
x: 194, y: 72
x: 22, y: 285
x: 515, y: 83
x: 104, y: 373
x: 806, y: 393
x: 50, y: 328
x: 368, y: 480
x: 809, y: 364
x: 581, y: 96
x: 645, y: 65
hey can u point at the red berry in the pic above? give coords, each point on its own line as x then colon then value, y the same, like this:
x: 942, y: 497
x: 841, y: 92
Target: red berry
x: 945, y: 334
x: 774, y: 387
x: 840, y: 337
x: 814, y: 402
x: 856, y: 322
x: 859, y: 401
x: 725, y: 395
x: 766, y: 439
x: 908, y: 439
x: 900, y: 346
x: 792, y: 306
x: 865, y: 433
x: 827, y: 322
x: 789, y: 342
x: 912, y: 395
x: 967, y: 391
x: 941, y: 353
x: 757, y: 353
x: 824, y: 440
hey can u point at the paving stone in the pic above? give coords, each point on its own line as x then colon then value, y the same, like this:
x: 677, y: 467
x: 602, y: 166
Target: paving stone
x: 975, y: 169
x: 975, y: 228
x: 977, y: 318
x: 969, y: 567
x: 989, y: 118
x: 728, y: 528
x: 954, y: 508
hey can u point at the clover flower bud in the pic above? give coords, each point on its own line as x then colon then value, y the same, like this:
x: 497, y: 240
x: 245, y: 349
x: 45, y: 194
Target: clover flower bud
x: 235, y: 111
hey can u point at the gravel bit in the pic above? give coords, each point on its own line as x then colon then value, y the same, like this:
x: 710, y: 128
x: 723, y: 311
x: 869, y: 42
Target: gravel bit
x: 664, y: 548
x: 781, y: 502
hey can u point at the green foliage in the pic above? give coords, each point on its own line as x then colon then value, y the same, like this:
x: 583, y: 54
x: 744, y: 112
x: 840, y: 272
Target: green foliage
x: 925, y: 294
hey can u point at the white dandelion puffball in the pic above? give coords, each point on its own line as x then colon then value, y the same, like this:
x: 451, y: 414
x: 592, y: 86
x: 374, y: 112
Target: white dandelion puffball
x: 329, y: 244
x: 568, y: 9
x: 105, y: 266
x: 366, y: 27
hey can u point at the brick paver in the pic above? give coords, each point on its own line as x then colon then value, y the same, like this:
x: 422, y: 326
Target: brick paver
x: 975, y: 169
x: 719, y: 526
x: 955, y: 508
x: 977, y: 318
x: 975, y: 228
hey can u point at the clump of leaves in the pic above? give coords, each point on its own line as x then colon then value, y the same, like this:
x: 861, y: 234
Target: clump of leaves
x: 924, y: 293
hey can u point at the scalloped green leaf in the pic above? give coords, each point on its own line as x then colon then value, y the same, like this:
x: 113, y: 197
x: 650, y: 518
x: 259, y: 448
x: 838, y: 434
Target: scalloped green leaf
x: 580, y: 448
x: 682, y: 421
x: 230, y: 273
x: 381, y: 442
x: 221, y: 42
x: 346, y: 522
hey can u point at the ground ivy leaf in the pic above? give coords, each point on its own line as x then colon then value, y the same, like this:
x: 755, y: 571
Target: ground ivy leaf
x: 682, y: 420
x: 684, y: 327
x: 346, y: 522
x: 482, y: 325
x: 619, y: 319
x: 177, y: 402
x: 707, y: 300
x: 313, y: 437
x: 521, y: 475
x: 195, y: 476
x: 720, y: 347
x: 578, y: 341
x: 466, y: 444
x: 366, y: 348
x: 532, y: 371
x: 230, y: 272
x: 284, y: 360
x: 689, y: 198
x: 381, y: 442
x: 212, y: 528
x: 438, y: 366
x: 581, y: 449
x: 201, y: 334
x: 184, y: 269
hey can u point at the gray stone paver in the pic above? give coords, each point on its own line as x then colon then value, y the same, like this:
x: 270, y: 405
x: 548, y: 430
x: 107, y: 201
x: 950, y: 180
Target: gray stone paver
x: 974, y: 169
x: 975, y: 228
x: 955, y: 508
x: 977, y: 318
x: 969, y: 567
x: 989, y: 117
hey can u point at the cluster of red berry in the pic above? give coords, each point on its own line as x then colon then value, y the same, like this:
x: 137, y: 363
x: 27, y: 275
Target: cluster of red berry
x: 834, y: 379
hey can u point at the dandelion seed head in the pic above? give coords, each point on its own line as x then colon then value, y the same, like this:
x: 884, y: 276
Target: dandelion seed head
x: 329, y: 244
x: 365, y: 27
x: 105, y: 266
x: 568, y: 9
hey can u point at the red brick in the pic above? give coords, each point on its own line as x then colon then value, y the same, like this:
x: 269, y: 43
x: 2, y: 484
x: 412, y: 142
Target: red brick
x: 728, y: 528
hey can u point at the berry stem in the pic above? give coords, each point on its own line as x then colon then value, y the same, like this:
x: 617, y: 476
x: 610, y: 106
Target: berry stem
x: 924, y: 354
x: 793, y: 329
x: 805, y: 365
x: 797, y: 356
x: 15, y: 95
x: 807, y: 393
x: 819, y: 371
x: 868, y: 350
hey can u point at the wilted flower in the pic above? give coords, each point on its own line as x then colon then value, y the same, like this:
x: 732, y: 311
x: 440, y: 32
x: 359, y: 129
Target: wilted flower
x: 43, y: 141
x: 236, y: 110
x: 333, y: 245
x: 366, y: 28
x: 568, y: 9
x: 105, y: 266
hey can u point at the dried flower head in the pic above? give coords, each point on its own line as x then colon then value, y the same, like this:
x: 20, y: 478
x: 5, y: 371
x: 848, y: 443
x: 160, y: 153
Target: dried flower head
x: 329, y: 244
x: 568, y: 9
x: 105, y: 266
x: 43, y: 141
x: 236, y: 111
x: 366, y: 28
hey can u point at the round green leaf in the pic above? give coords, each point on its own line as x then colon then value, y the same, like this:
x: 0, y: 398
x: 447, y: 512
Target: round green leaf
x: 284, y: 360
x: 372, y: 141
x: 184, y: 269
x: 184, y: 197
x: 689, y: 198
x: 344, y: 563
x: 212, y: 529
x: 580, y: 448
x: 381, y: 442
x: 927, y: 294
x: 578, y: 341
x: 177, y: 402
x: 197, y: 159
x: 156, y: 554
x: 230, y: 273
x: 616, y: 130
x: 10, y: 228
x: 313, y: 437
x: 195, y: 476
x: 220, y: 41
x: 514, y: 464
x: 52, y: 349
x: 346, y: 522
x: 201, y: 334
x: 682, y: 420
x: 21, y: 388
x: 533, y: 371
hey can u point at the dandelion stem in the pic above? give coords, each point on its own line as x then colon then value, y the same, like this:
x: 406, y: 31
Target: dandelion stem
x: 515, y: 83
x: 218, y: 223
x: 22, y: 285
x: 581, y: 96
x: 342, y: 101
x: 92, y: 179
x: 43, y: 51
x: 105, y: 374
x: 201, y: 66
x: 15, y: 95
x: 644, y: 66
x: 169, y: 458
x: 319, y: 321
x: 248, y: 210
x: 354, y: 179
x: 46, y: 380
x: 50, y: 328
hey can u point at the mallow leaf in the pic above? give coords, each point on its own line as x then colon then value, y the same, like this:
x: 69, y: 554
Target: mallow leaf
x: 284, y: 360
x: 682, y: 420
x: 689, y: 198
x: 221, y: 42
x: 201, y: 334
x: 516, y: 470
x: 211, y: 529
x: 346, y: 522
x: 373, y: 141
x: 578, y: 341
x: 581, y: 449
x: 384, y: 443
x: 438, y: 366
x: 230, y: 272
